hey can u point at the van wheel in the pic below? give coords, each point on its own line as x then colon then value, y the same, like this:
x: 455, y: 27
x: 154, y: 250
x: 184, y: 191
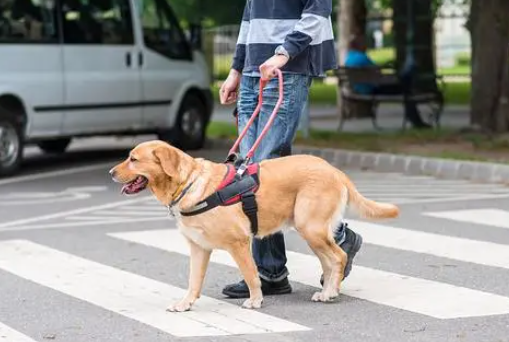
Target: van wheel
x: 190, y: 126
x: 54, y: 146
x: 11, y: 144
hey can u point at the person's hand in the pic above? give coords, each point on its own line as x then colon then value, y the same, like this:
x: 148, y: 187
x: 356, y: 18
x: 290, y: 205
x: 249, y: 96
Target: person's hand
x: 228, y: 90
x: 268, y: 68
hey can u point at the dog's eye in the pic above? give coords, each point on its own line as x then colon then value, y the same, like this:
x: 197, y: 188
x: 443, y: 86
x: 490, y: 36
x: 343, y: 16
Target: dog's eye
x: 132, y: 159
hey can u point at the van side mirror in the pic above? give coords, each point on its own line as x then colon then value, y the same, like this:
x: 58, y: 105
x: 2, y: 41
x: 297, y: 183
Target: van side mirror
x: 196, y: 36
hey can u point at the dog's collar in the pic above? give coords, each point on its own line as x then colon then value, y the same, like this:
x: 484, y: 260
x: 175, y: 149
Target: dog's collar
x: 183, y: 191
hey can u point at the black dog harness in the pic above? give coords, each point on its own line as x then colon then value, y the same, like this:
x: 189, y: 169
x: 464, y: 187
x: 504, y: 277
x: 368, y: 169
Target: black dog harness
x: 237, y: 186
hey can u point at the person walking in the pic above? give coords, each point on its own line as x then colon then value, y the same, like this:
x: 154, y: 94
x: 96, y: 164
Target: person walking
x: 296, y: 37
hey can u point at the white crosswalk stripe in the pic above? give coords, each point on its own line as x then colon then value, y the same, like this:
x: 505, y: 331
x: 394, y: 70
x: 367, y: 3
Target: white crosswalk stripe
x: 494, y: 254
x: 135, y: 210
x: 8, y: 334
x: 420, y: 189
x: 399, y: 291
x: 132, y: 295
x: 142, y: 299
x: 489, y: 216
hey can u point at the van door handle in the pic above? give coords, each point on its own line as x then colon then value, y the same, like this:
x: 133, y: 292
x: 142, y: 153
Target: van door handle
x: 140, y: 58
x: 128, y: 59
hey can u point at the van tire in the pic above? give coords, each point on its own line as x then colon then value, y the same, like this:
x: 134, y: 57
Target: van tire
x: 56, y: 146
x: 14, y: 129
x: 191, y: 117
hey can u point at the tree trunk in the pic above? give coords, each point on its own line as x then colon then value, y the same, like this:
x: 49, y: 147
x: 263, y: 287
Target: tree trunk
x: 422, y: 39
x: 490, y: 69
x: 351, y: 19
x: 344, y: 27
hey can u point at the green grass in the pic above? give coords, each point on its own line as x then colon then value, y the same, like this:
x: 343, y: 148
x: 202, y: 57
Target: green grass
x: 222, y: 63
x: 382, y: 56
x: 457, y: 70
x: 457, y: 93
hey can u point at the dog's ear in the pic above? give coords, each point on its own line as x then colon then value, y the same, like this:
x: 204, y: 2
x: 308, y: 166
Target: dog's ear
x: 169, y: 160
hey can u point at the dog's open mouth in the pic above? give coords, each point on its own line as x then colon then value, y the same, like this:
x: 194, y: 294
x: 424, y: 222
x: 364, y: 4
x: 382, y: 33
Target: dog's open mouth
x: 135, y: 186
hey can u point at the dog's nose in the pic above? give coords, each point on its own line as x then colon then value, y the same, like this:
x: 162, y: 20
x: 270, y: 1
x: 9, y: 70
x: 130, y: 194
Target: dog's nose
x: 112, y: 172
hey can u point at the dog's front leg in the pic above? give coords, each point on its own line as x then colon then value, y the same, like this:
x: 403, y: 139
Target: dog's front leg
x: 241, y: 253
x: 198, y: 266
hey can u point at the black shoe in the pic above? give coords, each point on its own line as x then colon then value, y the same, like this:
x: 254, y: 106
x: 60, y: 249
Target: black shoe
x: 240, y: 289
x: 351, y: 246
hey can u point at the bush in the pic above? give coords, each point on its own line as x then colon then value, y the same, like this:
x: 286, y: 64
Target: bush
x: 463, y: 59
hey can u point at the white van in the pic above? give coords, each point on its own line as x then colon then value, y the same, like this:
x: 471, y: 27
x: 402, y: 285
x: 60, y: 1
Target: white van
x: 79, y: 68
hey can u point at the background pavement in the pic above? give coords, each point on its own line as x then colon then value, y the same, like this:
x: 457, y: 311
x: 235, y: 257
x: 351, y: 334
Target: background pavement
x: 80, y: 262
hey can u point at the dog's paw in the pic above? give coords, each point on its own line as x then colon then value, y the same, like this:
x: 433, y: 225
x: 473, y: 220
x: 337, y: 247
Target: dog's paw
x: 183, y: 305
x: 324, y: 296
x: 255, y: 303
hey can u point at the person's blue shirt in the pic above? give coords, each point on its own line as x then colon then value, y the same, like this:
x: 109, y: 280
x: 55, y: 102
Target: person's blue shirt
x: 355, y: 58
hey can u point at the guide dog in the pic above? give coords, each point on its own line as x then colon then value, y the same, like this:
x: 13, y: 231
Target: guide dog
x: 300, y: 191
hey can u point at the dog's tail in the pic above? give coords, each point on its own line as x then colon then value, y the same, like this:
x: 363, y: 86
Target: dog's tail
x: 367, y: 208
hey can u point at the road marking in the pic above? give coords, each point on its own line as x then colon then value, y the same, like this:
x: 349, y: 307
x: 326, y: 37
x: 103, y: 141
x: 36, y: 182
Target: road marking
x: 50, y: 174
x: 493, y: 254
x: 486, y: 217
x: 94, y: 219
x: 34, y: 198
x: 8, y: 334
x: 92, y: 188
x: 82, y: 223
x: 420, y: 200
x: 22, y: 222
x: 132, y: 295
x: 422, y: 296
x: 161, y: 213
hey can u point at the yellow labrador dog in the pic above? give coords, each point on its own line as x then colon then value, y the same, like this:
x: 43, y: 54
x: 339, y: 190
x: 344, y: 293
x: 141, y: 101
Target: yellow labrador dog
x: 300, y: 191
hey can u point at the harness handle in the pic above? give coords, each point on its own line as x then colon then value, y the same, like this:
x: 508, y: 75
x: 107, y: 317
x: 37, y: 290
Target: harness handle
x: 272, y: 117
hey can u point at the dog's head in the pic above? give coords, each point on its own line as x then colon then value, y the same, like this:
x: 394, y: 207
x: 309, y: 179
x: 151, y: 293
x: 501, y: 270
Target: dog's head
x: 152, y: 164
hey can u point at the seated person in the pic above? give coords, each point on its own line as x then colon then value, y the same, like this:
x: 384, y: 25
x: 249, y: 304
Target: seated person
x: 357, y: 57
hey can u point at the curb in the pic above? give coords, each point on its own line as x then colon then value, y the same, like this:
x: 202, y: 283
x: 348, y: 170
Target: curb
x: 483, y: 172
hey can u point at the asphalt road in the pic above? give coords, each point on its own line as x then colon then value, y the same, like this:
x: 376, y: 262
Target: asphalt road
x: 79, y: 262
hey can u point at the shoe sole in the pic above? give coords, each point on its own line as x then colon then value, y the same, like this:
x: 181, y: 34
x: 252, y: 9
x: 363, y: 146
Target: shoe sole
x: 278, y: 291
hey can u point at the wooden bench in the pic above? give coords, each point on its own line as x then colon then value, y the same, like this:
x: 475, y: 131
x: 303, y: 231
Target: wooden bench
x: 424, y: 91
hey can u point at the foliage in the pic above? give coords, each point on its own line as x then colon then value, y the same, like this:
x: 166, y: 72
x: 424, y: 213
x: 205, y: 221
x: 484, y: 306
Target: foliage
x: 387, y: 4
x: 211, y: 13
x: 463, y: 59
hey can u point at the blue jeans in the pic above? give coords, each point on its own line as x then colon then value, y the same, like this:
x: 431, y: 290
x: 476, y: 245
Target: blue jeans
x: 269, y: 253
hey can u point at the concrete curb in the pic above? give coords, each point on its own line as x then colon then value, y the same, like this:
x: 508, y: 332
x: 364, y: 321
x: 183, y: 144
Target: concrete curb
x: 406, y: 164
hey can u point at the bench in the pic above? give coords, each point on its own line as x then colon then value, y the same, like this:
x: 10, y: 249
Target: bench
x: 424, y: 91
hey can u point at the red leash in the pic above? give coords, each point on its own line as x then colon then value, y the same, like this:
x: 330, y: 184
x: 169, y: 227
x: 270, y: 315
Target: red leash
x: 253, y: 117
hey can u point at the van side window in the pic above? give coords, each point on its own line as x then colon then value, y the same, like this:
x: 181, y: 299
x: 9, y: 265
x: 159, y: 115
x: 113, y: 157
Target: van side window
x: 28, y: 21
x: 97, y: 22
x: 161, y: 31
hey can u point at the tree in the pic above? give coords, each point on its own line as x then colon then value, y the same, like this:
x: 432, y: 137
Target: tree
x: 211, y: 13
x: 490, y: 65
x: 351, y: 19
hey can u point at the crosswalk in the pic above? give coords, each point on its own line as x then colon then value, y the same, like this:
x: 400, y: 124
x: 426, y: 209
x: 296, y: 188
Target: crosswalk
x: 142, y: 299
x: 385, y: 187
x: 8, y: 334
x: 394, y: 188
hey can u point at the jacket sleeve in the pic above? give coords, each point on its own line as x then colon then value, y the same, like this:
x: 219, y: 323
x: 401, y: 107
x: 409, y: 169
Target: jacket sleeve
x: 240, y: 49
x: 313, y: 26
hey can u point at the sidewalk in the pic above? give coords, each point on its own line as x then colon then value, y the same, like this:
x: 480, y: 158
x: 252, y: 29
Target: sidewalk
x: 389, y: 117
